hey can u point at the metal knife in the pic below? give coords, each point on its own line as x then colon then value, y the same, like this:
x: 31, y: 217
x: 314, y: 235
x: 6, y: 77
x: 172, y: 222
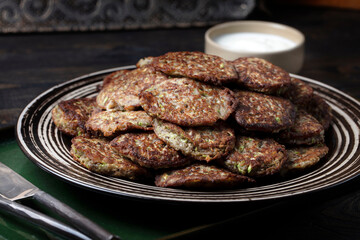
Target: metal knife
x: 14, y: 187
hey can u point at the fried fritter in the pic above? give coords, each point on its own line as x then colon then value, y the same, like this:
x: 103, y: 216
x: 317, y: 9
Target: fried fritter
x: 110, y: 123
x: 260, y: 112
x: 201, y: 176
x: 97, y: 155
x: 259, y: 75
x: 71, y: 115
x: 200, y: 143
x: 256, y: 157
x: 318, y: 107
x: 299, y: 92
x: 185, y: 123
x: 197, y: 65
x: 115, y: 76
x: 300, y: 158
x: 148, y: 150
x: 186, y: 102
x: 122, y: 91
x: 305, y: 130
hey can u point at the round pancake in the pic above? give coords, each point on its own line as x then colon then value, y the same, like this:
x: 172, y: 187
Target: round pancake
x: 186, y: 102
x: 97, y: 155
x: 320, y: 110
x: 71, y: 115
x: 201, y: 176
x: 148, y: 150
x: 115, y: 76
x: 300, y: 158
x: 299, y: 92
x: 259, y: 75
x: 200, y: 143
x: 106, y: 99
x: 197, y: 65
x: 122, y: 92
x: 305, y: 130
x: 256, y: 157
x: 110, y: 123
x: 260, y: 112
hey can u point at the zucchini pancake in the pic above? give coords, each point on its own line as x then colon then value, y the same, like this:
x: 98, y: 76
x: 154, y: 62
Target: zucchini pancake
x: 110, y: 123
x: 196, y: 121
x: 70, y: 116
x: 121, y: 91
x: 97, y: 155
x: 256, y: 157
x: 259, y: 75
x: 201, y: 143
x: 196, y: 65
x: 201, y: 176
x: 187, y: 102
x: 148, y: 150
x: 260, y: 112
x: 300, y: 158
x: 306, y: 130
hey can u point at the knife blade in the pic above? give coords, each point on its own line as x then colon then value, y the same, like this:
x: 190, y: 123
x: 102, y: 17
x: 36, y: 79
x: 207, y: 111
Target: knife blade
x: 14, y: 187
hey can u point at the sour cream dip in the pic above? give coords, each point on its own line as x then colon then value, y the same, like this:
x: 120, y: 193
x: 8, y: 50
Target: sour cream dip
x: 254, y: 42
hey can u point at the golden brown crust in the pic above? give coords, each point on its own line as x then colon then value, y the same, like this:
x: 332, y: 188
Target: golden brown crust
x: 197, y: 65
x: 259, y: 75
x: 318, y: 107
x: 97, y: 155
x: 186, y: 119
x: 299, y: 92
x: 256, y: 157
x: 305, y: 130
x: 200, y: 143
x: 300, y: 158
x: 122, y: 93
x: 201, y: 176
x: 71, y: 115
x: 113, y: 77
x: 260, y: 112
x: 186, y: 102
x: 111, y: 123
x: 148, y: 150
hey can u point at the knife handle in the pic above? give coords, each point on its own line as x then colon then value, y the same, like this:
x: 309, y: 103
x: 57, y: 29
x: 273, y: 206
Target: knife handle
x: 80, y: 222
x: 40, y: 219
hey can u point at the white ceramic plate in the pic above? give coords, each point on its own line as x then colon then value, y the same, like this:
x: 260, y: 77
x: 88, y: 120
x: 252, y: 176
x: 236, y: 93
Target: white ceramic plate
x: 49, y: 149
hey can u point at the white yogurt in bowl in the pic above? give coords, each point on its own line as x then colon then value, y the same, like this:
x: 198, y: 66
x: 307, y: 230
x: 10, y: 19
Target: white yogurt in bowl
x: 254, y: 42
x: 279, y: 44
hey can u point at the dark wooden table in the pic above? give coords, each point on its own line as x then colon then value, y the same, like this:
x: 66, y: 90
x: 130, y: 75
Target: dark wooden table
x: 32, y: 63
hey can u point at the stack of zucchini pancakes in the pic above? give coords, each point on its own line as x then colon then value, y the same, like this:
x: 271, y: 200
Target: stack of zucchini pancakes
x: 193, y: 120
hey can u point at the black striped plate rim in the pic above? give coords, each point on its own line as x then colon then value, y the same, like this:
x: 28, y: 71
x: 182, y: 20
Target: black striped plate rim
x: 42, y: 143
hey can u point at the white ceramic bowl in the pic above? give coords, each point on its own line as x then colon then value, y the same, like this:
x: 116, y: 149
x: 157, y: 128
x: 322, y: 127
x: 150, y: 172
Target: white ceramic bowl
x: 289, y: 58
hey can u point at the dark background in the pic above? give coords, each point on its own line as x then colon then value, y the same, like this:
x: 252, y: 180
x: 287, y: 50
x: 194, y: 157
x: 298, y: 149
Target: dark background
x: 30, y: 63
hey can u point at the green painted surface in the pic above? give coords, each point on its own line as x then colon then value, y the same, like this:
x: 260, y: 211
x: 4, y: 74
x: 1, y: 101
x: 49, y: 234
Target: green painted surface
x: 119, y: 216
x: 128, y: 218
